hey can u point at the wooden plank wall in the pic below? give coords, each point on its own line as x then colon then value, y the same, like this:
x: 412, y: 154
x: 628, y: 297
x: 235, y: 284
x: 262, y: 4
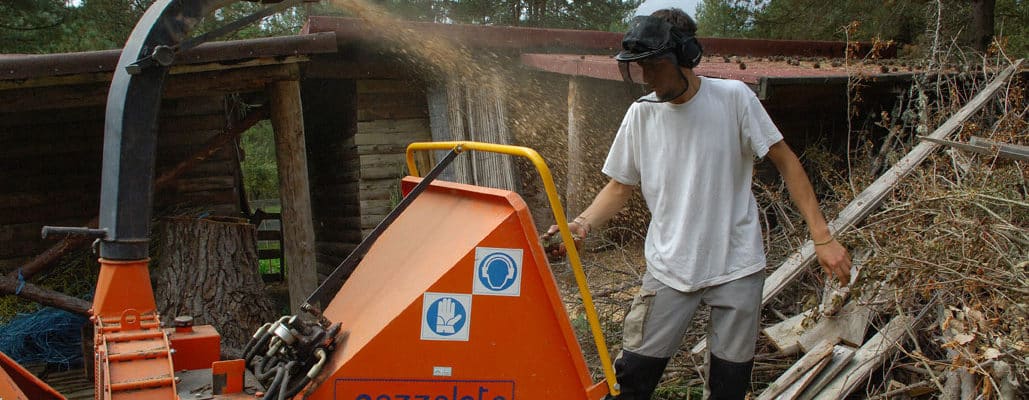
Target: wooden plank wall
x: 478, y: 113
x: 486, y: 108
x: 330, y: 121
x: 50, y: 163
x: 391, y: 113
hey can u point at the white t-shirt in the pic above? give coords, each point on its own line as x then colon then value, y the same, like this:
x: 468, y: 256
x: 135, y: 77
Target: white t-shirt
x: 694, y: 163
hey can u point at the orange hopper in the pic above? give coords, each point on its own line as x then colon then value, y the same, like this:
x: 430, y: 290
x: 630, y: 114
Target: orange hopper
x: 455, y: 301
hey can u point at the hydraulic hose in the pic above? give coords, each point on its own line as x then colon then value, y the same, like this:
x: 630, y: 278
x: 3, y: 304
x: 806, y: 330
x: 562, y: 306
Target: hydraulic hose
x: 266, y: 336
x: 261, y: 342
x: 273, y: 389
x: 322, y: 356
x: 284, y: 386
x: 261, y: 373
x: 254, y: 339
x: 297, y: 387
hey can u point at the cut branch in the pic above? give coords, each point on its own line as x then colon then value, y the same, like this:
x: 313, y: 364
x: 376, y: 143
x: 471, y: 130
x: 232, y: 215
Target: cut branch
x: 45, y: 296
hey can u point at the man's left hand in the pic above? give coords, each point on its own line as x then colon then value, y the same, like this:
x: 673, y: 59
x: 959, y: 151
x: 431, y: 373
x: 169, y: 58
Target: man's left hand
x: 833, y: 257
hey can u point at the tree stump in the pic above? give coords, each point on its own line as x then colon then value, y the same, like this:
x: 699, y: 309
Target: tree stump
x: 208, y: 269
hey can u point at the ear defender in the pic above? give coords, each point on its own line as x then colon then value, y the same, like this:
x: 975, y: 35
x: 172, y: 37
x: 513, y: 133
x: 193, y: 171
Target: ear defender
x: 692, y: 52
x: 689, y: 51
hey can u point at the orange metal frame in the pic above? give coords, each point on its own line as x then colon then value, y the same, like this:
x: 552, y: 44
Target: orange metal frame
x: 16, y: 383
x: 519, y: 345
x: 132, y: 354
x: 559, y: 216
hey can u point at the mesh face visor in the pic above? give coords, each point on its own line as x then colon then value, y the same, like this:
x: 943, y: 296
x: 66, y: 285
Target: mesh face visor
x: 667, y: 80
x: 649, y: 42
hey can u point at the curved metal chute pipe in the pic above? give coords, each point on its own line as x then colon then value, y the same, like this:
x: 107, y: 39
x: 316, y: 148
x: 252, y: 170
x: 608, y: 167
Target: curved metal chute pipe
x: 130, y: 130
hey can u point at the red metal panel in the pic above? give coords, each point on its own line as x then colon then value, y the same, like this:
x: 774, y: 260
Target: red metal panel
x: 16, y: 383
x: 746, y: 69
x: 227, y: 376
x: 353, y: 29
x: 197, y: 349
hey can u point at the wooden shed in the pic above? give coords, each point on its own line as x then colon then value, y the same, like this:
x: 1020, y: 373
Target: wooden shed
x: 345, y: 99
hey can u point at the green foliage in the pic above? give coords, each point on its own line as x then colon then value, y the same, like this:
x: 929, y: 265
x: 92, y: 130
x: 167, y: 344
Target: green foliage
x: 260, y: 175
x: 608, y: 15
x: 26, y: 25
x: 1012, y: 27
x: 51, y: 26
x: 908, y: 22
x: 726, y: 18
x: 679, y: 392
x: 898, y: 20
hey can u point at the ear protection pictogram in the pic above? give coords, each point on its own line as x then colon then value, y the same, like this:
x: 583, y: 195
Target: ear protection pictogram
x: 508, y: 263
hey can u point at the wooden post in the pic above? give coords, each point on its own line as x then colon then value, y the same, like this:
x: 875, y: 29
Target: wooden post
x: 294, y: 192
x: 595, y: 111
x: 575, y: 197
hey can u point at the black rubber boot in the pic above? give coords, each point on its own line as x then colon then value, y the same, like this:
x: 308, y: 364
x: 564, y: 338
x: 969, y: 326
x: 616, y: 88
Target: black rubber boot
x: 637, y: 375
x: 729, y: 380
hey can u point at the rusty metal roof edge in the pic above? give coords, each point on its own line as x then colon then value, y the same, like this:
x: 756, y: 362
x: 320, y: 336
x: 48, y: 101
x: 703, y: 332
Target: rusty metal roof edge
x: 356, y: 29
x: 497, y: 36
x: 19, y: 66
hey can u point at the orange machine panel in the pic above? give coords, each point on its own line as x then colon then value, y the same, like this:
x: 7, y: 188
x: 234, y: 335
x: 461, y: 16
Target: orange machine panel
x: 16, y: 383
x: 455, y: 300
x: 227, y: 376
x: 195, y: 348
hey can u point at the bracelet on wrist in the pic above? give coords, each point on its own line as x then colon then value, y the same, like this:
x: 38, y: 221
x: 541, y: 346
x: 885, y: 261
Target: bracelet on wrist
x: 583, y: 223
x: 830, y: 240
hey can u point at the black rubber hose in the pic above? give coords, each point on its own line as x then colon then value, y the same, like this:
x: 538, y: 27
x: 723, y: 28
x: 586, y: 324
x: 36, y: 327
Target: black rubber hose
x: 273, y: 389
x: 284, y: 386
x: 262, y: 372
x: 250, y: 344
x: 262, y: 342
x: 296, y: 388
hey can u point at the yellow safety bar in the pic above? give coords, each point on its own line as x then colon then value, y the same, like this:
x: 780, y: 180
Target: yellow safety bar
x: 559, y: 217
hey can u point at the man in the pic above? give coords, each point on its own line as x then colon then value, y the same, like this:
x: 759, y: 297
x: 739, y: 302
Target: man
x: 690, y: 146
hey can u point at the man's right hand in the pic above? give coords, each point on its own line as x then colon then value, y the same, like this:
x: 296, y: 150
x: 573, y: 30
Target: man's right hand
x: 555, y: 247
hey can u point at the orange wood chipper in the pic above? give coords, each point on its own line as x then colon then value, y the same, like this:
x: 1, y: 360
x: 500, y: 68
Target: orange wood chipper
x: 449, y: 298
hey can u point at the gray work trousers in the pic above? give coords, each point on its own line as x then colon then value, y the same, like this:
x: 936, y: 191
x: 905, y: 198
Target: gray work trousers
x: 660, y: 315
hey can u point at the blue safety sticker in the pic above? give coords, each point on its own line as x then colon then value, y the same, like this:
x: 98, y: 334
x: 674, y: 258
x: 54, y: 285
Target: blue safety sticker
x: 497, y: 271
x: 446, y: 316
